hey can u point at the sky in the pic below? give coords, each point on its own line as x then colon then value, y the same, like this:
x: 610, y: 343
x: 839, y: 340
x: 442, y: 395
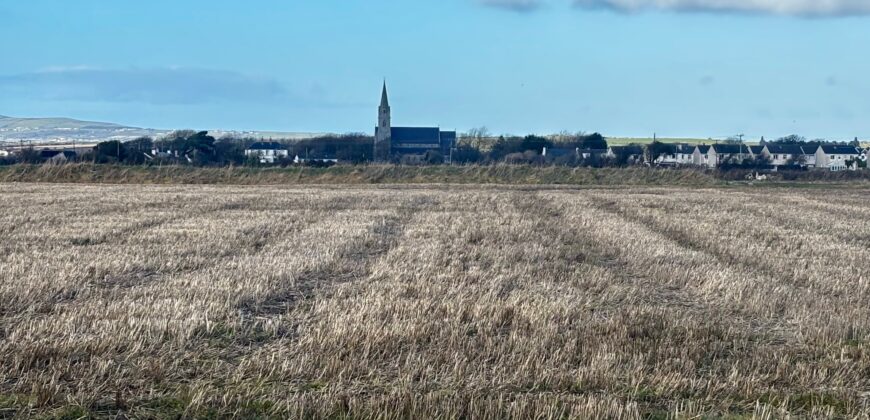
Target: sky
x: 676, y: 68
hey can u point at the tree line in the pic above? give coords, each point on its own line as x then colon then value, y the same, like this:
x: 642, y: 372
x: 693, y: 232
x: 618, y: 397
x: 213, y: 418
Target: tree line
x: 198, y: 148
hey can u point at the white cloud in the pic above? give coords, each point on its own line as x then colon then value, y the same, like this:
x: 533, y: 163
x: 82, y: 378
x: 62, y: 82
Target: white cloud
x: 807, y: 8
x: 777, y: 7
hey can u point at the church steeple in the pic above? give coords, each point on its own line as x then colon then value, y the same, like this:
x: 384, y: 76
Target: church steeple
x: 385, y: 102
x: 383, y: 132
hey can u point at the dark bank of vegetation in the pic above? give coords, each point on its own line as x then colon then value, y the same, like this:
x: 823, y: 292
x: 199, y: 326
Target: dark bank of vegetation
x: 398, y: 174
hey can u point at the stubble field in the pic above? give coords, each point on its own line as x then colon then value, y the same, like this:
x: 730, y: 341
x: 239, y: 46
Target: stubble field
x: 420, y: 302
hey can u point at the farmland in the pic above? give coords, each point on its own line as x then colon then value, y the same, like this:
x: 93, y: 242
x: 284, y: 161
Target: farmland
x: 433, y: 301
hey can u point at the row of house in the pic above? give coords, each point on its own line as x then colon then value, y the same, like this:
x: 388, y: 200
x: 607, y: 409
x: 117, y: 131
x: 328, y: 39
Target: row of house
x: 824, y: 156
x: 271, y: 152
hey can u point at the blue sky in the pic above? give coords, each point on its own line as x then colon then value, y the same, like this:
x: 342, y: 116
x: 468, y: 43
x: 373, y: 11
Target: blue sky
x: 679, y: 68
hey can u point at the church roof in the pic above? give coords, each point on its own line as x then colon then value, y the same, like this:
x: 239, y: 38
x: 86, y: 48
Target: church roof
x: 385, y: 102
x: 423, y: 135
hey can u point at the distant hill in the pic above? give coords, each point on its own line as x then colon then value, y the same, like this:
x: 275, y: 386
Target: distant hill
x: 65, y: 130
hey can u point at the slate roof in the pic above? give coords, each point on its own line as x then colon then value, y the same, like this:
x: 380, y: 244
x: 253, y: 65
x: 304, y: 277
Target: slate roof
x: 684, y: 148
x: 49, y: 154
x: 629, y: 150
x: 555, y: 152
x: 416, y: 135
x: 756, y: 149
x: 703, y: 148
x: 810, y: 149
x: 730, y: 149
x: 265, y: 145
x: 785, y: 149
x: 839, y: 150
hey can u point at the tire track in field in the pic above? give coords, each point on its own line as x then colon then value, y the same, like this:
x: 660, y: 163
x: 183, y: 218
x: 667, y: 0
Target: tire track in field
x: 585, y: 248
x: 354, y: 262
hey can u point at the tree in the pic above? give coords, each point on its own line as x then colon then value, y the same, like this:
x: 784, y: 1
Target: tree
x: 110, y: 152
x: 792, y: 139
x: 655, y: 150
x: 29, y: 155
x: 478, y: 133
x: 535, y: 143
x: 855, y: 143
x: 433, y: 157
x: 593, y: 141
x: 136, y: 150
x: 467, y: 154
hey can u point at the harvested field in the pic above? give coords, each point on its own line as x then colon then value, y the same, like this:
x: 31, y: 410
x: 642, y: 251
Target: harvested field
x: 449, y: 302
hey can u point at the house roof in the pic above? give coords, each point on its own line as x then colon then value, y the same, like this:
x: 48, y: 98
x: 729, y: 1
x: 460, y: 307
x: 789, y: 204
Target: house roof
x: 684, y: 148
x: 810, y: 149
x: 703, y: 148
x: 48, y: 154
x: 419, y: 135
x: 830, y: 149
x: 264, y: 145
x: 756, y: 149
x: 728, y: 148
x: 785, y: 149
x: 560, y: 151
x: 630, y: 150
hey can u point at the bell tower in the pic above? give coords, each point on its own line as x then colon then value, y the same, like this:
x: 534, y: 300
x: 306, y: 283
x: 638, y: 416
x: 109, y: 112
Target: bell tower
x: 384, y: 126
x: 383, y: 132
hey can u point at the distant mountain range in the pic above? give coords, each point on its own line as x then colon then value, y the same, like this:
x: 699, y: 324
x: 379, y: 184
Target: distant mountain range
x: 67, y: 130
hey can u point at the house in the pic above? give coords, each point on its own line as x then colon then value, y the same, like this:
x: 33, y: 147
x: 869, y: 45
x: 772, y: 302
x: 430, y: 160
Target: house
x: 810, y: 154
x: 408, y: 141
x: 630, y: 154
x: 317, y: 160
x: 701, y: 156
x: 756, y: 151
x: 57, y: 156
x: 560, y: 153
x: 723, y: 153
x: 837, y: 158
x: 786, y: 154
x: 4, y: 153
x: 676, y: 154
x: 267, y: 152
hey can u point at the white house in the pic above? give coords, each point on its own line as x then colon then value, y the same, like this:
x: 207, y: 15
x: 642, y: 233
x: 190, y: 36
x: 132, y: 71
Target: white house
x: 328, y: 161
x: 678, y: 154
x: 718, y: 154
x: 4, y: 153
x: 701, y: 157
x: 837, y: 158
x: 790, y: 154
x: 267, y: 152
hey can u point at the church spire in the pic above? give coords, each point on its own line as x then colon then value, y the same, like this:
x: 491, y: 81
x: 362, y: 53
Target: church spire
x: 385, y: 102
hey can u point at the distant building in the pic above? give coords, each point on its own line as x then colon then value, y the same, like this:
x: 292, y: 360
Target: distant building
x: 676, y: 154
x: 267, y: 152
x: 790, y: 154
x: 630, y: 154
x: 700, y: 156
x: 723, y: 153
x: 316, y: 160
x: 408, y: 141
x: 4, y: 153
x: 57, y: 156
x: 837, y: 158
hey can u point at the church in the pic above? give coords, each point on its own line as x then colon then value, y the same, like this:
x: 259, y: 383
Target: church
x: 409, y: 141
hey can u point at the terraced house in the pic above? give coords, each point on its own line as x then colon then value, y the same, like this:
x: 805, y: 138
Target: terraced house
x: 837, y: 158
x: 790, y: 154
